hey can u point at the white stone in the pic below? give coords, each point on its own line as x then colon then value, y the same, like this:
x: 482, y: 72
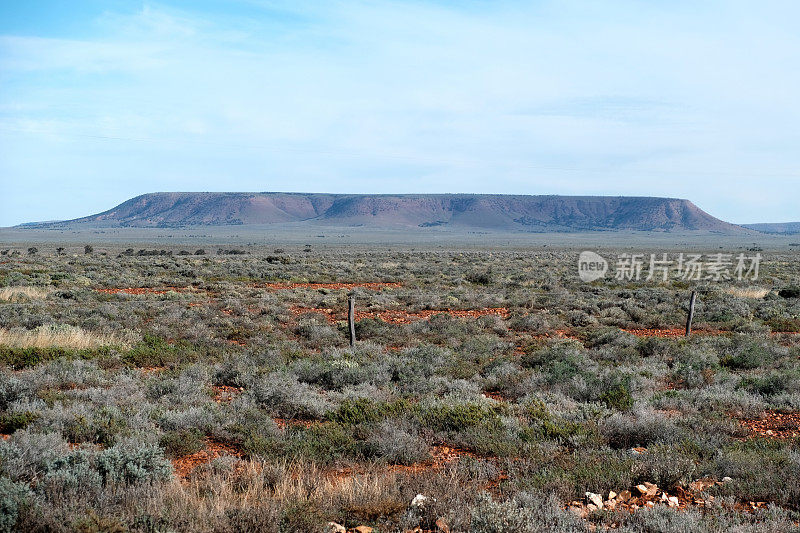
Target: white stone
x: 419, y: 500
x: 596, y: 499
x: 333, y: 527
x: 672, y: 501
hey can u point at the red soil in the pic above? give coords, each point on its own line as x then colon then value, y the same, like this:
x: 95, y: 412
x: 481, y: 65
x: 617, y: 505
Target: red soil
x: 774, y: 425
x: 283, y: 423
x: 225, y: 393
x: 440, y: 456
x: 401, y: 317
x: 214, y: 449
x: 330, y: 286
x: 495, y: 396
x: 558, y: 334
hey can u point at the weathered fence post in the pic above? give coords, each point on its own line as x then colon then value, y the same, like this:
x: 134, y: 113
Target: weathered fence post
x: 351, y: 321
x: 691, y: 314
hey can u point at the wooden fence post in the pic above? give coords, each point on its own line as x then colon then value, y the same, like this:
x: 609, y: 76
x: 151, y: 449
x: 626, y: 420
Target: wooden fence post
x: 691, y: 313
x: 351, y: 320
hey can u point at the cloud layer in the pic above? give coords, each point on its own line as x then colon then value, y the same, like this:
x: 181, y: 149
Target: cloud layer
x: 694, y: 100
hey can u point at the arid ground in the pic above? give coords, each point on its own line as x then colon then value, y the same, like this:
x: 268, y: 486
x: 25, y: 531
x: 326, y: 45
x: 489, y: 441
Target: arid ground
x: 156, y: 390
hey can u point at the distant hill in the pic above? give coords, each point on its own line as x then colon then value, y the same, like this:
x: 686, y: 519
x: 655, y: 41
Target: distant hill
x: 785, y: 228
x: 461, y: 211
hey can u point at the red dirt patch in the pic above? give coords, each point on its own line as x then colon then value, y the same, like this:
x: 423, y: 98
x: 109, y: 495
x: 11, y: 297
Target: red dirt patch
x: 774, y: 425
x: 331, y: 286
x: 440, y: 456
x: 225, y: 393
x: 145, y: 290
x: 283, y: 423
x: 495, y: 396
x: 557, y: 334
x: 395, y: 316
x: 214, y: 449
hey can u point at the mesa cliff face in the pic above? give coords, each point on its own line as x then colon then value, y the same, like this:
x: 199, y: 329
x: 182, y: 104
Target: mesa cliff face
x: 482, y: 211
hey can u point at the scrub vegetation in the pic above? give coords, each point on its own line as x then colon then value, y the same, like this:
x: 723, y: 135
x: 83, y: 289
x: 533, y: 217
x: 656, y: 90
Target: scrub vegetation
x: 180, y: 391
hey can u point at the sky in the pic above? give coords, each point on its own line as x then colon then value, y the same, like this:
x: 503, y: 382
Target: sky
x: 101, y: 101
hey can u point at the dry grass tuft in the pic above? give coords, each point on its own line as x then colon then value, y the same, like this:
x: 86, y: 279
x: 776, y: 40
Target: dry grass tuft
x: 755, y: 293
x: 61, y: 335
x: 22, y: 294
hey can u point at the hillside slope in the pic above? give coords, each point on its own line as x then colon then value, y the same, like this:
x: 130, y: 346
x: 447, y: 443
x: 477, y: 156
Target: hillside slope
x: 785, y: 228
x: 487, y: 211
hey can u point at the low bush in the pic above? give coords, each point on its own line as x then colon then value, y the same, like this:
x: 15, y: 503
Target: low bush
x: 182, y: 442
x: 746, y: 354
x: 456, y: 415
x: 397, y: 443
x: 282, y: 394
x: 154, y: 351
x: 525, y: 513
x: 13, y: 501
x: 639, y: 429
x: 11, y: 422
x: 133, y: 464
x: 19, y: 358
x: 102, y: 426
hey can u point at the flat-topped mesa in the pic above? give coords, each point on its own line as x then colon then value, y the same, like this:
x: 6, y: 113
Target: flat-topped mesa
x: 421, y: 211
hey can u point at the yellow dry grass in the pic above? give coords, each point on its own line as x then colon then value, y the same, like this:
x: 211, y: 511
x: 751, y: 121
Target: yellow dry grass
x: 62, y: 336
x: 22, y: 294
x: 755, y: 293
x: 250, y: 484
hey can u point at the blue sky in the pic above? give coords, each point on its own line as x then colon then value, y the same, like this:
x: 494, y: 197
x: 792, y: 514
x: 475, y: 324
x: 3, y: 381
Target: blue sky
x: 102, y: 101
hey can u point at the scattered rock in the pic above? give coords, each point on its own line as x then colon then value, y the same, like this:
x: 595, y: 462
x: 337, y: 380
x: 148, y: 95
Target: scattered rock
x: 596, y: 499
x: 577, y: 509
x: 333, y: 527
x: 727, y: 479
x: 701, y: 484
x: 624, y: 496
x: 672, y: 501
x: 441, y: 526
x: 612, y: 495
x: 419, y: 500
x: 363, y: 529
